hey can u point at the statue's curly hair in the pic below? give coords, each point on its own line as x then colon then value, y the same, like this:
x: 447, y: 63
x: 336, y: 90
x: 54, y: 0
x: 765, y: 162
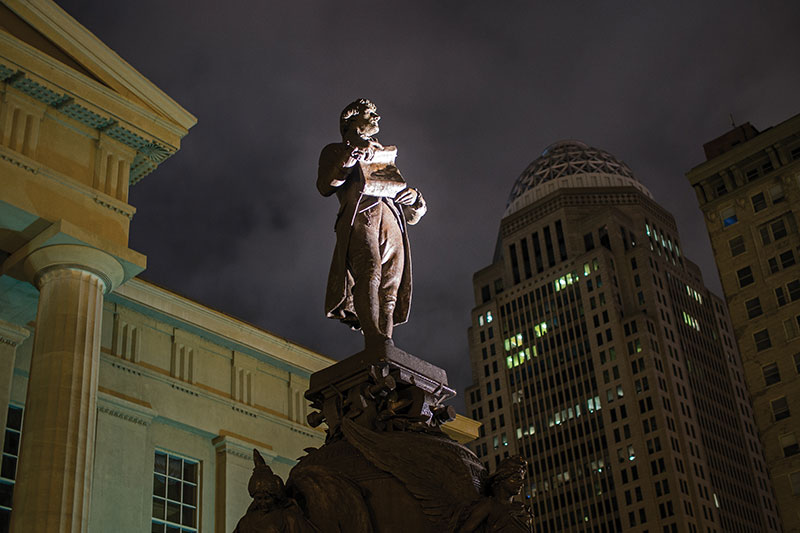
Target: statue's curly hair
x: 354, y: 108
x: 514, y: 465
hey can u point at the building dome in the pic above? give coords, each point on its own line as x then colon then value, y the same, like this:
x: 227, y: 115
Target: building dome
x: 573, y: 164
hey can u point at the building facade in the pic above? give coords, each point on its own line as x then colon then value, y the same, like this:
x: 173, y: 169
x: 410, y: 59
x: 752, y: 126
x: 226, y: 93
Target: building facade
x: 599, y: 355
x: 125, y: 407
x: 749, y: 191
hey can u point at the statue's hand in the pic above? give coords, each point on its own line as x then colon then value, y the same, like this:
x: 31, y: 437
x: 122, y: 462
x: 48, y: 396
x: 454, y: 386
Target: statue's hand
x: 407, y: 196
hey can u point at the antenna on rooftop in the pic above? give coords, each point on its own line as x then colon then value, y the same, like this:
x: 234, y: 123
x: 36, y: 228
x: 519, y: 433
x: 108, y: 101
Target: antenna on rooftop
x: 733, y: 122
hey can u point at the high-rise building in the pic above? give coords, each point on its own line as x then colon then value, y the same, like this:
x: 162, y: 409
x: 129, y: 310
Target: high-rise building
x: 748, y: 189
x: 599, y: 355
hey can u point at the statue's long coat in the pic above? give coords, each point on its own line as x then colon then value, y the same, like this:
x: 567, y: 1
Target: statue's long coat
x: 338, y: 297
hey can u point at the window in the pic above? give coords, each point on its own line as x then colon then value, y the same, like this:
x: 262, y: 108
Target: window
x: 752, y: 174
x: 794, y: 289
x: 780, y: 408
x: 780, y: 296
x: 728, y: 217
x: 745, y: 276
x: 753, y: 307
x: 8, y: 472
x: 794, y: 479
x: 737, y: 246
x: 175, y: 494
x: 787, y: 259
x: 776, y: 193
x: 759, y: 202
x: 719, y: 187
x: 789, y: 445
x: 762, y: 340
x: 773, y: 230
x: 771, y: 374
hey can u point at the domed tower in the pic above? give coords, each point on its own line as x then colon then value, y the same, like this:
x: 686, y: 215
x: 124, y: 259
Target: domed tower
x: 593, y: 343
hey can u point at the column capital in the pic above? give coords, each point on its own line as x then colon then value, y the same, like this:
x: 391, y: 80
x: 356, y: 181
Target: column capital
x: 76, y: 257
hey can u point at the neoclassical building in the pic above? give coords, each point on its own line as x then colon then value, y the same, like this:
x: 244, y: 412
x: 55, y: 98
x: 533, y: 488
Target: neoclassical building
x: 125, y: 406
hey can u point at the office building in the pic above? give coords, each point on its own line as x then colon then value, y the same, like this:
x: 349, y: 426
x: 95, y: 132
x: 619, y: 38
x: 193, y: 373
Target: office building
x: 749, y: 193
x: 599, y: 355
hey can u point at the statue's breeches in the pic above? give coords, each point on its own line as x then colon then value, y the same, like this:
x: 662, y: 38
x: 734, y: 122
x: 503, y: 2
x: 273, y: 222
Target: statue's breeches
x: 375, y: 259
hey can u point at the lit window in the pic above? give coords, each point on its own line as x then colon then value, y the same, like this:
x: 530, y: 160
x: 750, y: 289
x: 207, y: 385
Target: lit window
x: 8, y: 473
x: 728, y: 217
x: 175, y: 494
x: 480, y: 320
x: 489, y: 317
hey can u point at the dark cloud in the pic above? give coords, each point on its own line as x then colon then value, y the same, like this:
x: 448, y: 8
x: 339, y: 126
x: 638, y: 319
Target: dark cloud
x: 470, y: 94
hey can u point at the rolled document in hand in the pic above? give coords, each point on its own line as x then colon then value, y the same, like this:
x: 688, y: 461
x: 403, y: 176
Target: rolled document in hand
x: 380, y: 176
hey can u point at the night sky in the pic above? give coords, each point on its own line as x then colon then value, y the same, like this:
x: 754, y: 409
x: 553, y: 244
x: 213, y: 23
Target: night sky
x: 470, y: 92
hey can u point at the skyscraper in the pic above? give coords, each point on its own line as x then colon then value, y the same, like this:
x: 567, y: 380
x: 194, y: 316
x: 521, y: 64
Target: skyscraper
x: 599, y: 355
x: 748, y: 191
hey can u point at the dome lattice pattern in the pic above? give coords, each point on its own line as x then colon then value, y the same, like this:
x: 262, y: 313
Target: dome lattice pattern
x: 567, y: 158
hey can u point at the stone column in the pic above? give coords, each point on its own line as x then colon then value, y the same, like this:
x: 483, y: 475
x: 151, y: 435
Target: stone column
x: 57, y: 453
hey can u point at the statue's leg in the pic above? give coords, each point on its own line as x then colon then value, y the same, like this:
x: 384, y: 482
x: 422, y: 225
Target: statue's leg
x: 364, y: 262
x: 392, y: 264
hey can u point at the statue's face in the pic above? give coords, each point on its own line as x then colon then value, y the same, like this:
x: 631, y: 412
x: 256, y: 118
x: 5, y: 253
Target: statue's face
x: 366, y: 122
x: 513, y: 484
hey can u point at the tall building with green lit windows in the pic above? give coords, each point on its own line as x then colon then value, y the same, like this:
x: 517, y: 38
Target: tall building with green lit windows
x: 599, y: 355
x: 749, y: 191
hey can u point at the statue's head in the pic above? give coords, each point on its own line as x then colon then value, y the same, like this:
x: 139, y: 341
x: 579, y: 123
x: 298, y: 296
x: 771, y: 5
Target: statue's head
x: 510, y: 475
x: 361, y: 115
x: 265, y: 487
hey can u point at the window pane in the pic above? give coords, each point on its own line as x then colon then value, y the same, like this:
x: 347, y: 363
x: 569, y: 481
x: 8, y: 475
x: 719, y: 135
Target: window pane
x: 9, y: 468
x: 158, y: 508
x: 173, y: 512
x: 159, y: 485
x: 6, y: 492
x: 190, y: 471
x: 157, y: 528
x: 175, y: 466
x: 161, y: 463
x: 174, y: 489
x: 11, y: 445
x: 189, y: 494
x: 188, y: 516
x: 14, y: 419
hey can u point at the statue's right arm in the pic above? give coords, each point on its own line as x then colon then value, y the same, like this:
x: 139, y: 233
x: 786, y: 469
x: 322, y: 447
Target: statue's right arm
x: 335, y: 164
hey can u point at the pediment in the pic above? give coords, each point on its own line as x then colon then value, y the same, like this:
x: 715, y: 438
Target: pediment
x: 46, y: 27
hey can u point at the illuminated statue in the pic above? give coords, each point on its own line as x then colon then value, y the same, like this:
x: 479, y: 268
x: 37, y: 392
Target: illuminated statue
x: 369, y: 285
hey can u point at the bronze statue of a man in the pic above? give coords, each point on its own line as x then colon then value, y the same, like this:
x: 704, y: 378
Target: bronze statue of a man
x: 369, y: 285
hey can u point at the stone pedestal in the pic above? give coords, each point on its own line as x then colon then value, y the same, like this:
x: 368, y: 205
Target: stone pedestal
x: 57, y: 454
